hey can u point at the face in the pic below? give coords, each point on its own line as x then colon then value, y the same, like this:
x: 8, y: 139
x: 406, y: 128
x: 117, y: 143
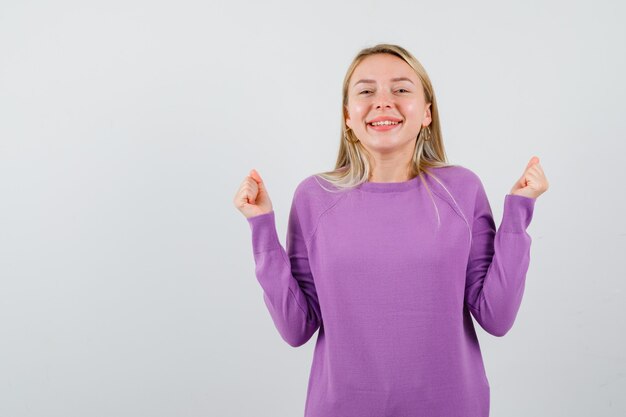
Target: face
x: 385, y: 87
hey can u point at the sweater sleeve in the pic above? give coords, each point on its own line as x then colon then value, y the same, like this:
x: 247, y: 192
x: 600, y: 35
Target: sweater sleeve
x: 285, y: 277
x: 498, y: 262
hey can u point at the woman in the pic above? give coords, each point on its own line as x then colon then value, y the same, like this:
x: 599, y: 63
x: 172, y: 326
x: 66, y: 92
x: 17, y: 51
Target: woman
x: 390, y: 254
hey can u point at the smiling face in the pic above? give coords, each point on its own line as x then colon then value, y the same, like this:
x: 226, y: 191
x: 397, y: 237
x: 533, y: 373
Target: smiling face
x: 384, y: 87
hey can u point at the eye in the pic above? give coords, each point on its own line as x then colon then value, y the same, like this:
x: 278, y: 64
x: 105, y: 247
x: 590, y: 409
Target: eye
x: 402, y: 89
x: 364, y: 91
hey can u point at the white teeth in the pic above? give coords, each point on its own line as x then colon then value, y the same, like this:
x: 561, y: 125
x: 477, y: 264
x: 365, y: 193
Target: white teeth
x: 384, y: 123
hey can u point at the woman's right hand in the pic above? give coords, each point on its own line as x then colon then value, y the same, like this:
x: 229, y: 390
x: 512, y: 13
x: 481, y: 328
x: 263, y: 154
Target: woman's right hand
x: 252, y: 198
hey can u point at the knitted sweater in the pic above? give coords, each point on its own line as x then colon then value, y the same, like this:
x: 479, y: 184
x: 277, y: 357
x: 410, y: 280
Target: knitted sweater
x: 391, y: 274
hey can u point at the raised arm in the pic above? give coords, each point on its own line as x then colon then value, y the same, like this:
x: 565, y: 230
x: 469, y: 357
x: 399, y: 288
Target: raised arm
x: 498, y: 262
x: 285, y: 276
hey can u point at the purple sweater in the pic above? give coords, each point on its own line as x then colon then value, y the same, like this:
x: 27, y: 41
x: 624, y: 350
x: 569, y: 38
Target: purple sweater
x: 390, y: 282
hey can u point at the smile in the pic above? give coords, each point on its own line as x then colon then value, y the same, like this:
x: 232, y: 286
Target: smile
x: 385, y: 126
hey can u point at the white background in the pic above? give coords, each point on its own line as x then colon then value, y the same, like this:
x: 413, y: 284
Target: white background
x: 127, y: 282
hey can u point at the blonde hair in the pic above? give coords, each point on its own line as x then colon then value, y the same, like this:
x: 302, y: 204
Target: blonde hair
x: 352, y: 167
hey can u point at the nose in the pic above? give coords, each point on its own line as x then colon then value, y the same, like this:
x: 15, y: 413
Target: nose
x: 385, y: 99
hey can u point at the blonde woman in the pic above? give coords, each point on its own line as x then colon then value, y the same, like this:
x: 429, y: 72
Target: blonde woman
x: 390, y: 254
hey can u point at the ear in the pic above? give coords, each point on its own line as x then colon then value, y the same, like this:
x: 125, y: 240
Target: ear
x: 347, y: 117
x: 427, y: 115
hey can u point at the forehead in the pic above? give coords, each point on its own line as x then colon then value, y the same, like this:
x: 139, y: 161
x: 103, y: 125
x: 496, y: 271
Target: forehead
x: 382, y: 68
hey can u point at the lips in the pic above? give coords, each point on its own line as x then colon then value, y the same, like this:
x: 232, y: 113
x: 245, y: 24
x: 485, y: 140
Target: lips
x: 384, y: 118
x: 384, y: 128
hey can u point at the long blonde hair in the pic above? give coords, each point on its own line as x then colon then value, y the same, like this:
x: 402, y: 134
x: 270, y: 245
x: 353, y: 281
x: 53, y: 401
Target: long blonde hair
x: 352, y: 167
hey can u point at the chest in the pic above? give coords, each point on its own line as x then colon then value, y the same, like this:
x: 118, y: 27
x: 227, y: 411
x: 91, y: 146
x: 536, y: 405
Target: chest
x: 404, y: 249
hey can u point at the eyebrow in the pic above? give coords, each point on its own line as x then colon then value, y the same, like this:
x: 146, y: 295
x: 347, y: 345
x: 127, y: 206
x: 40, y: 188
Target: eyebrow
x: 393, y: 79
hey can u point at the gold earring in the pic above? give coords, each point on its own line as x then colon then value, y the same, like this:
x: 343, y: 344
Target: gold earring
x: 345, y: 136
x: 426, y: 133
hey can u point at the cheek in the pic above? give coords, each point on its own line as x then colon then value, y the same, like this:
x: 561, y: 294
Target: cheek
x: 357, y: 109
x: 358, y: 112
x: 414, y: 112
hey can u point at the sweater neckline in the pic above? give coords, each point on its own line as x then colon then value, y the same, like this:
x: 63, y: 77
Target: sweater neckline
x: 388, y: 187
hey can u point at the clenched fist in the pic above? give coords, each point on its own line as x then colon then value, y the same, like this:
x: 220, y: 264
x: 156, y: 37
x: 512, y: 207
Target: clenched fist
x: 252, y: 198
x: 533, y: 181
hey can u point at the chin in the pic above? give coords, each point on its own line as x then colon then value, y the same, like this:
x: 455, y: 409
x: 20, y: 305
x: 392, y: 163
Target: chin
x: 389, y: 144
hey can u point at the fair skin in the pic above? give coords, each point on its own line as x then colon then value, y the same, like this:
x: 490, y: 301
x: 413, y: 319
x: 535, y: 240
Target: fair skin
x: 383, y: 85
x: 384, y: 95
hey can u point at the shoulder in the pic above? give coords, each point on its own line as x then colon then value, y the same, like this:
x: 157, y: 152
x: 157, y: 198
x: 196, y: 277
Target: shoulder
x: 312, y: 198
x: 458, y: 176
x: 316, y: 192
x: 460, y: 186
x: 308, y: 185
x: 314, y: 185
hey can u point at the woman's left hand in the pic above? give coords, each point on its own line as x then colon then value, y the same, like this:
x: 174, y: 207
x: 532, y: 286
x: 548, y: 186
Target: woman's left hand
x: 533, y: 182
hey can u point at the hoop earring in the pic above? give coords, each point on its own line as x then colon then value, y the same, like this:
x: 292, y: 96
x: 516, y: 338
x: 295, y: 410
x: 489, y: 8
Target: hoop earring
x: 345, y: 136
x: 426, y: 133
